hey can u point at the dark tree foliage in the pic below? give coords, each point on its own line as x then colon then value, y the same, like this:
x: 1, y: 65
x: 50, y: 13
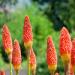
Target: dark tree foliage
x: 49, y: 1
x: 61, y: 12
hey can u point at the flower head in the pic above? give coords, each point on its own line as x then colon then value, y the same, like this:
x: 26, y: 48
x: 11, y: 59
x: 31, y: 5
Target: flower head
x: 16, y: 55
x: 51, y: 55
x: 32, y: 61
x: 65, y: 45
x: 6, y: 39
x: 27, y: 33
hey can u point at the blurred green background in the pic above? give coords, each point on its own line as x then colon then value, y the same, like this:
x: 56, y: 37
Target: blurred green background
x: 47, y: 18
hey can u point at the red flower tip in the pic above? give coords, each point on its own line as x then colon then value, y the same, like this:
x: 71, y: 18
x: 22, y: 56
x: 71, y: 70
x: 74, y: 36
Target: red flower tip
x: 73, y: 54
x: 16, y: 55
x: 32, y: 60
x: 2, y: 72
x: 65, y: 45
x: 27, y: 33
x: 6, y: 39
x: 51, y: 55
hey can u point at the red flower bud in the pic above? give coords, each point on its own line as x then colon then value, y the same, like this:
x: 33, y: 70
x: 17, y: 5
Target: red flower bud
x: 32, y: 60
x: 51, y: 55
x: 6, y: 39
x: 65, y: 45
x: 27, y: 33
x: 16, y: 55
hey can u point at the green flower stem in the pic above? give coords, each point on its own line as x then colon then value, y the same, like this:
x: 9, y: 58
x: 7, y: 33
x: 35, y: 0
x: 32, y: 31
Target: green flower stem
x: 10, y: 60
x: 28, y: 62
x: 67, y: 69
x: 10, y: 68
x: 34, y: 72
x: 17, y: 72
x: 52, y: 73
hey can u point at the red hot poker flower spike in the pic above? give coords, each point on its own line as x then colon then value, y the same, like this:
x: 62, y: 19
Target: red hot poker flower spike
x: 16, y: 56
x: 32, y: 60
x: 73, y: 54
x: 6, y: 39
x: 51, y: 55
x: 27, y: 33
x: 65, y: 45
x: 2, y: 72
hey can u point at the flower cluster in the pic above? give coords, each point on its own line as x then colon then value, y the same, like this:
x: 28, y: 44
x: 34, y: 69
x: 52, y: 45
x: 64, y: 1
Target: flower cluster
x: 13, y: 50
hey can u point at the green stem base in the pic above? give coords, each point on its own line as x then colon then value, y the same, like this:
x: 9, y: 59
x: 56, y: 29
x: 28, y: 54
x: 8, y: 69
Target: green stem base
x: 10, y: 68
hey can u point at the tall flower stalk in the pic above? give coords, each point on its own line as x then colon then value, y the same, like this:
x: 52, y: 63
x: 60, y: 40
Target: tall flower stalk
x: 65, y: 49
x: 16, y: 56
x: 51, y: 56
x: 7, y: 44
x: 32, y: 62
x: 27, y: 38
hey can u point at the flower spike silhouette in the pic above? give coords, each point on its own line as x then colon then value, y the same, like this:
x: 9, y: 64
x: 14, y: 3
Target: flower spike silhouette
x: 32, y: 61
x: 7, y: 44
x: 65, y: 45
x: 27, y: 38
x: 27, y: 33
x: 7, y: 41
x: 65, y: 49
x: 16, y: 56
x: 51, y: 56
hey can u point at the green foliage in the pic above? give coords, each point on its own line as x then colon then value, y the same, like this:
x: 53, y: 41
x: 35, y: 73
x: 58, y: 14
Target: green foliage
x: 42, y: 28
x: 61, y: 12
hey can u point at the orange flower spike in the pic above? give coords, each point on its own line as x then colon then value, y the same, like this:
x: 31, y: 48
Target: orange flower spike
x: 32, y: 60
x: 27, y: 33
x: 2, y: 72
x: 51, y: 55
x: 65, y: 45
x: 16, y: 56
x: 6, y: 39
x: 73, y: 54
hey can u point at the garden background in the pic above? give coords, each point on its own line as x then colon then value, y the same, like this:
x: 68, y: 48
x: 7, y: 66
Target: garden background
x: 47, y: 17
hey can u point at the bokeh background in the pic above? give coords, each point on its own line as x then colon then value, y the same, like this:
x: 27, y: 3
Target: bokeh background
x: 47, y: 18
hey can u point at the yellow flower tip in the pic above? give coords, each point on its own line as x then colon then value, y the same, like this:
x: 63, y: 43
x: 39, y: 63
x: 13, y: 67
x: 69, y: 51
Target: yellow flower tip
x: 73, y: 68
x: 52, y: 68
x: 28, y: 45
x: 17, y: 67
x: 32, y: 66
x: 66, y: 58
x: 15, y: 40
x: 8, y: 51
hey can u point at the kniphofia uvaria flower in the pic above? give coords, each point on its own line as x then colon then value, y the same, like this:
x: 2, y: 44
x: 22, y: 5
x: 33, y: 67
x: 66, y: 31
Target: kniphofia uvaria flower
x: 16, y: 56
x: 51, y: 56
